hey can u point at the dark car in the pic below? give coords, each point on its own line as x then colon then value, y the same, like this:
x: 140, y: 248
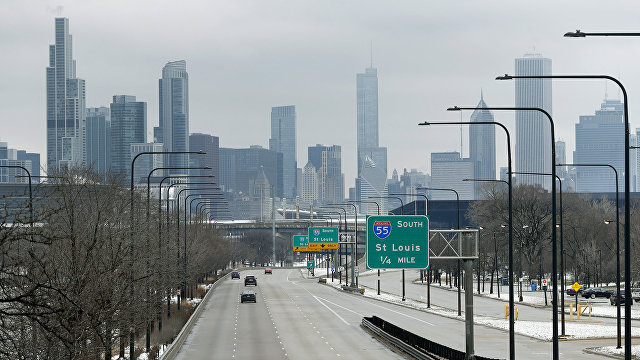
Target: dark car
x: 250, y: 280
x: 267, y: 271
x: 614, y: 299
x: 572, y: 292
x: 235, y: 275
x: 248, y: 295
x: 596, y: 293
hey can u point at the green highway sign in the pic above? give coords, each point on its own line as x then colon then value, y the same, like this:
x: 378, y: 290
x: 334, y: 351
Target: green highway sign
x: 398, y: 242
x: 300, y: 241
x: 323, y: 237
x: 311, y: 264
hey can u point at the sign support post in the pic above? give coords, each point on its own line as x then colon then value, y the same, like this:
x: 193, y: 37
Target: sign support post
x: 468, y: 298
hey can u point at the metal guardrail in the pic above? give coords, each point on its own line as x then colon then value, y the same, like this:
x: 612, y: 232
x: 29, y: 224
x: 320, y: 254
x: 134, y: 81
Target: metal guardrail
x: 415, y: 353
x: 415, y: 345
x: 175, y: 346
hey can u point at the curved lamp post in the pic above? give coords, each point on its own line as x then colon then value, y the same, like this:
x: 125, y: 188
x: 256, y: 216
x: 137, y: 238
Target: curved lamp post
x: 339, y: 256
x: 554, y: 260
x: 354, y: 257
x: 512, y: 348
x: 618, y: 311
x: 627, y: 179
x: 184, y: 255
x: 131, y: 275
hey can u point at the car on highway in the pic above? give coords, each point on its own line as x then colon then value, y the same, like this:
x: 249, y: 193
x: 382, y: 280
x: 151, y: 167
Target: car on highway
x: 614, y: 298
x: 596, y: 292
x: 235, y: 275
x: 250, y: 280
x: 267, y: 271
x: 248, y: 295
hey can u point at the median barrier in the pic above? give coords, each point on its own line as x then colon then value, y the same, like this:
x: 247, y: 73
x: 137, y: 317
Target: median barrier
x: 412, y: 344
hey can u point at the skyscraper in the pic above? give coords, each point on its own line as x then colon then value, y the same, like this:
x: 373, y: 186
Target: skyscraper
x: 372, y: 182
x: 448, y: 170
x: 128, y: 126
x: 482, y: 145
x: 370, y: 154
x: 211, y: 146
x: 14, y: 157
x: 99, y: 139
x: 600, y: 140
x: 533, y: 130
x: 327, y: 160
x: 310, y: 191
x: 66, y: 117
x: 283, y: 140
x: 173, y: 127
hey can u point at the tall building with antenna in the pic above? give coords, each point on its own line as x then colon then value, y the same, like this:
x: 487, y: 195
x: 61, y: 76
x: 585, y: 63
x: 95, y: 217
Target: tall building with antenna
x: 482, y: 145
x: 370, y: 154
x: 66, y: 104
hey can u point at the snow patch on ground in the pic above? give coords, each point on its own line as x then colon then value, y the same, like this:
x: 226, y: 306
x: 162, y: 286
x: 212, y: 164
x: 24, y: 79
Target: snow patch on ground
x: 537, y: 329
x: 612, y: 350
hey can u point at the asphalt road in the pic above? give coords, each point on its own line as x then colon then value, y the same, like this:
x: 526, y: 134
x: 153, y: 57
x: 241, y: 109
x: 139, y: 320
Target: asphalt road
x: 294, y: 318
x: 298, y: 318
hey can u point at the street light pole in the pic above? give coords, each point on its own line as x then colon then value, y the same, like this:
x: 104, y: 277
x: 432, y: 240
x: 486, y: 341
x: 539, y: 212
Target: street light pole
x: 184, y: 255
x: 627, y: 179
x: 160, y: 226
x: 346, y: 277
x: 495, y: 244
x: 378, y: 205
x: 339, y: 224
x: 132, y: 226
x: 148, y: 320
x: 458, y: 209
x: 177, y: 207
x: 554, y: 260
x: 355, y: 241
x: 512, y: 347
x: 618, y: 310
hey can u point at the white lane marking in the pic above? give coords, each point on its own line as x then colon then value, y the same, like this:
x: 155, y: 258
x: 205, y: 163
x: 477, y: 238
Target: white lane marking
x: 371, y: 303
x: 330, y: 309
x: 342, y: 307
x: 397, y: 312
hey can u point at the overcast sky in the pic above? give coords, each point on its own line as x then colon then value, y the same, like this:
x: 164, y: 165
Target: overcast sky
x: 243, y: 57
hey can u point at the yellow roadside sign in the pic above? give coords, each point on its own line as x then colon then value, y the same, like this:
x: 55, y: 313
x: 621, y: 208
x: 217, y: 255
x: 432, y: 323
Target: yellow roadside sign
x: 576, y: 286
x: 323, y: 246
x: 300, y: 248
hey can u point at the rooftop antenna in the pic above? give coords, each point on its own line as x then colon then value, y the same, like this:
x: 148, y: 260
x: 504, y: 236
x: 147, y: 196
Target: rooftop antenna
x: 371, y: 54
x: 59, y: 9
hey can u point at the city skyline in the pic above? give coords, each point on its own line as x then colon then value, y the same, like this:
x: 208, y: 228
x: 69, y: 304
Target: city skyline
x: 404, y: 100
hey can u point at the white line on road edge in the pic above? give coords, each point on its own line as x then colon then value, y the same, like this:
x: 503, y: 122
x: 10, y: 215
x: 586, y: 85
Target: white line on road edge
x: 330, y: 309
x: 394, y: 311
x: 332, y: 303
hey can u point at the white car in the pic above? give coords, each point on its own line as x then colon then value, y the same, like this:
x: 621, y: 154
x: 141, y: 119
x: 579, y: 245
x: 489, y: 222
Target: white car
x: 635, y: 294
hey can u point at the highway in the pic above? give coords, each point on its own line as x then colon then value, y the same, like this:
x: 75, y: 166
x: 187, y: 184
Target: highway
x: 298, y: 318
